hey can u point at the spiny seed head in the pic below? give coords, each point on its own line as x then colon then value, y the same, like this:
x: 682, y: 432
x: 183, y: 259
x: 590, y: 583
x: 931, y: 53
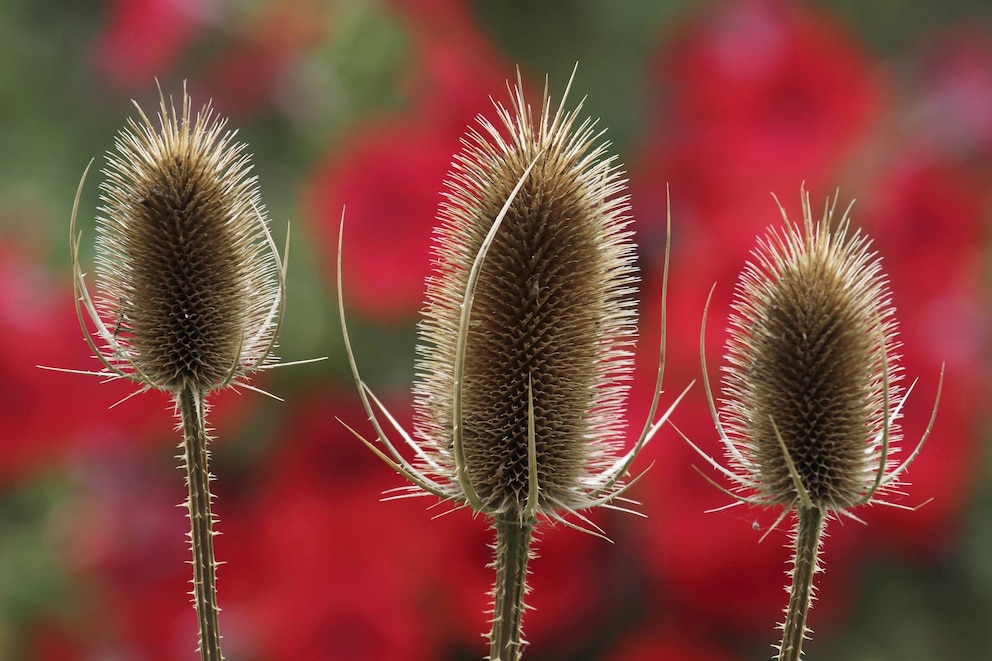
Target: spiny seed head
x: 553, y: 317
x: 811, y: 354
x: 187, y: 276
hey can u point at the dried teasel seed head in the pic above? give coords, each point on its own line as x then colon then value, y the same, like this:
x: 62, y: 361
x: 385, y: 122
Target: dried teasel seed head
x: 810, y: 394
x: 548, y: 350
x: 189, y: 284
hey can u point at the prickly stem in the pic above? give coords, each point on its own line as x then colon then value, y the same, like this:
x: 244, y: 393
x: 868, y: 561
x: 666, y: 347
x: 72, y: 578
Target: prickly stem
x: 513, y: 539
x: 808, y: 533
x: 201, y: 520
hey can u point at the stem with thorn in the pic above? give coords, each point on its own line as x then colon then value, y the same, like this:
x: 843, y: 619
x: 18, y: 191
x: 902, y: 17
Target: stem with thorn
x: 513, y: 538
x: 201, y: 535
x: 804, y: 568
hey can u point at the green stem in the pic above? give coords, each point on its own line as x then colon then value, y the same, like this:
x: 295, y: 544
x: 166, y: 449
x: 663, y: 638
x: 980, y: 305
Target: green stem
x: 201, y: 521
x: 804, y: 568
x: 513, y: 539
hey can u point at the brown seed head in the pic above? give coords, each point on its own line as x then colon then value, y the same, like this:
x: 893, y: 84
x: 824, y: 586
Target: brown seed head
x: 810, y: 356
x: 187, y: 275
x: 553, y: 318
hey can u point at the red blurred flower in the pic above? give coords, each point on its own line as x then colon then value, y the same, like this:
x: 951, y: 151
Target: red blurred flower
x: 142, y: 38
x: 48, y: 417
x: 52, y: 642
x: 390, y: 173
x: 928, y: 217
x: 764, y: 95
x: 321, y: 569
x: 326, y: 575
x: 389, y: 177
x: 684, y: 643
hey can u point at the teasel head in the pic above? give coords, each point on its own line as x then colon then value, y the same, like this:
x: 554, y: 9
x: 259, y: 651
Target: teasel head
x: 529, y: 325
x: 811, y: 396
x: 190, y: 285
x: 811, y: 387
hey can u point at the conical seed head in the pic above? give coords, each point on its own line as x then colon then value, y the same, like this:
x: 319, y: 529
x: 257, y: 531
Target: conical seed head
x: 553, y: 317
x: 186, y: 275
x: 810, y: 354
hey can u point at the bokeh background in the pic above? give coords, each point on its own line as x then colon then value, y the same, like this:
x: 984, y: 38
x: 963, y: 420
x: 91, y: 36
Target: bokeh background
x: 345, y: 102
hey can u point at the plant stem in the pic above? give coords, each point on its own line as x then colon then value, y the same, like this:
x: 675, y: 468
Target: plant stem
x: 804, y: 567
x: 513, y: 538
x: 201, y: 521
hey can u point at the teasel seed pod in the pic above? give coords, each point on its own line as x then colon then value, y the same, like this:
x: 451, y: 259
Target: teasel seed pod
x: 811, y: 400
x: 190, y: 290
x: 526, y: 340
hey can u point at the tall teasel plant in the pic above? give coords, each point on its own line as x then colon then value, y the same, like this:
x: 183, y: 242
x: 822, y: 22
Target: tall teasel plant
x: 190, y: 290
x: 811, y: 396
x: 526, y: 341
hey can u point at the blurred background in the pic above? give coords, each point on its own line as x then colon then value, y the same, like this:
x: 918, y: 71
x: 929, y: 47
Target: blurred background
x: 363, y: 104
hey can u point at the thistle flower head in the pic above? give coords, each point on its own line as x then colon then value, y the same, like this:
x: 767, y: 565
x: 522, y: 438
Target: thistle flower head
x: 529, y: 322
x: 811, y: 396
x: 189, y: 283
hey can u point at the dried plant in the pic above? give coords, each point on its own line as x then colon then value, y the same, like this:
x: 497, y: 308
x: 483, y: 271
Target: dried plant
x: 811, y: 399
x: 526, y: 341
x: 190, y: 290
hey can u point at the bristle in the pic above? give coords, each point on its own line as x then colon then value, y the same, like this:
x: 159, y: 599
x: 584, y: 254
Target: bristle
x: 186, y: 275
x: 553, y: 313
x: 811, y: 354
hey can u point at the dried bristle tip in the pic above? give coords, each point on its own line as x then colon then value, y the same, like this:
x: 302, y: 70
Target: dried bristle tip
x: 553, y: 317
x: 811, y: 353
x: 188, y: 278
